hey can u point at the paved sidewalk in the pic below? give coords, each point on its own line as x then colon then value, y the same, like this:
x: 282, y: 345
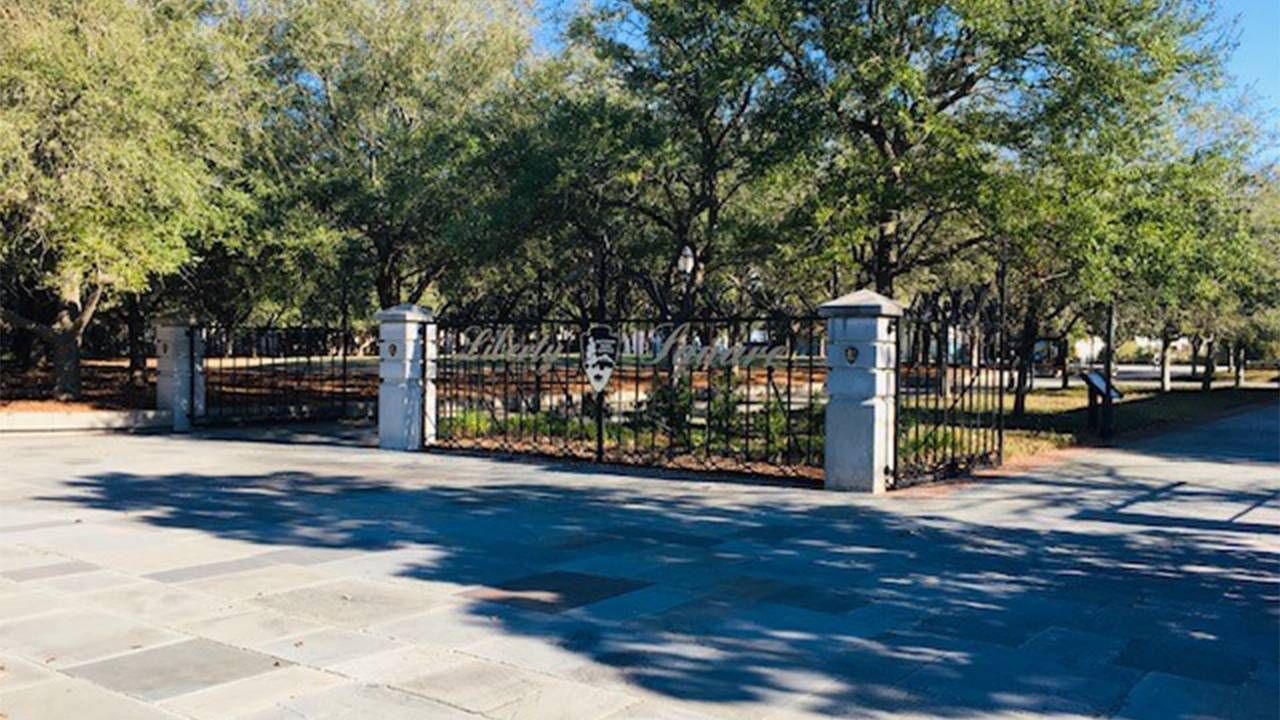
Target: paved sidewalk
x: 147, y: 577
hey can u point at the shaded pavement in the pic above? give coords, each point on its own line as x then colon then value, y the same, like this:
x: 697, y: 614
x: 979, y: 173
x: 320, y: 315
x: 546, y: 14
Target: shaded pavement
x: 210, y: 577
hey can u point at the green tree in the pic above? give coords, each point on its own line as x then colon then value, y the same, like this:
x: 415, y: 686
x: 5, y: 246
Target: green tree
x: 118, y: 123
x: 372, y: 127
x: 549, y: 229
x: 703, y: 72
x: 920, y: 99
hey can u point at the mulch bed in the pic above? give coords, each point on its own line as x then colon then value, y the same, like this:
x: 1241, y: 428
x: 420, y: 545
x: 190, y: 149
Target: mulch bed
x: 105, y: 385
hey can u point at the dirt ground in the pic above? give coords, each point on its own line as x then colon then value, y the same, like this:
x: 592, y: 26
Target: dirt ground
x: 105, y: 382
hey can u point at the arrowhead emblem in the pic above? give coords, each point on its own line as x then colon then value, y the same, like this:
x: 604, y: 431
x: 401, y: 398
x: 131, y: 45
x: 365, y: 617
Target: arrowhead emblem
x: 599, y: 355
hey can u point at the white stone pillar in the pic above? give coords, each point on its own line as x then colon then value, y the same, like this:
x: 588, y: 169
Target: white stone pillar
x: 180, y: 382
x: 861, y: 359
x: 406, y: 396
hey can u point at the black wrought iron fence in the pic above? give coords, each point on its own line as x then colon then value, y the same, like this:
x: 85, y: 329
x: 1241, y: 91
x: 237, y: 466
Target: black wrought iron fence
x: 720, y: 394
x: 262, y: 373
x: 950, y: 385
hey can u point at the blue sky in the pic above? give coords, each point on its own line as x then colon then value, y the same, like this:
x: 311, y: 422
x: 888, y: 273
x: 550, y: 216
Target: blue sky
x: 1256, y: 62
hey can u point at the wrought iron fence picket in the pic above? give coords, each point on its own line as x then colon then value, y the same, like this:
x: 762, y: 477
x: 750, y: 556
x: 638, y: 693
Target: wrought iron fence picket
x: 946, y: 421
x: 655, y: 410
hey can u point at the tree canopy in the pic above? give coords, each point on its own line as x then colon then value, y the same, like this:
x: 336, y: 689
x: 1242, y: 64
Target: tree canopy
x: 120, y: 123
x: 272, y: 161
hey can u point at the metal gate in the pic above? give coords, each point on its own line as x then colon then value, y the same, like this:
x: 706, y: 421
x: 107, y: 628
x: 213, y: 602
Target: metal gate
x: 743, y: 394
x: 265, y: 373
x: 950, y: 385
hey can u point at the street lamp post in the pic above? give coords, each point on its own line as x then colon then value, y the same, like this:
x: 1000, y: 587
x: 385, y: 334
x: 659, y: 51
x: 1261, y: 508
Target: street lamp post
x: 1108, y: 411
x: 686, y: 261
x: 685, y: 265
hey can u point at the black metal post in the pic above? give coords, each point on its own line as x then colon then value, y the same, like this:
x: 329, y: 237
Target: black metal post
x: 895, y: 328
x: 1108, y: 411
x: 1064, y: 351
x: 346, y: 334
x: 421, y: 342
x: 191, y: 377
x: 1002, y: 344
x: 602, y: 290
x: 600, y: 426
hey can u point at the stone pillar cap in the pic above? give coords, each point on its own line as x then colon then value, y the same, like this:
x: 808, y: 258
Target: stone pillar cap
x: 406, y: 312
x: 861, y: 303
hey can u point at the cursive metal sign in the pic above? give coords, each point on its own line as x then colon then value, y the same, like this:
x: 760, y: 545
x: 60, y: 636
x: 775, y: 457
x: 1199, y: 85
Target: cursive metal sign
x: 679, y: 347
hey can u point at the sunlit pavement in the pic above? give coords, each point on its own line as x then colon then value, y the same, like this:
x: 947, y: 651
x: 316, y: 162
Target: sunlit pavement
x: 154, y: 576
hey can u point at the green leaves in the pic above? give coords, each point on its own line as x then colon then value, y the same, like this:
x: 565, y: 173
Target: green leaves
x: 374, y: 118
x: 118, y: 122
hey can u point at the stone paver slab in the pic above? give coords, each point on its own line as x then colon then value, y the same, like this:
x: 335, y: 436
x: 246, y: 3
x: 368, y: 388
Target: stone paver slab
x: 159, y: 602
x: 1074, y: 648
x: 394, y: 667
x: 1159, y: 696
x: 562, y: 700
x: 252, y: 694
x: 16, y: 557
x: 311, y: 555
x: 476, y: 685
x: 657, y: 710
x: 71, y: 637
x: 64, y: 699
x: 1197, y: 661
x: 544, y: 654
x: 351, y: 602
x: 195, y: 572
x: 263, y: 581
x: 40, y: 572
x: 16, y: 672
x: 645, y: 601
x: 154, y: 552
x: 252, y: 628
x: 555, y: 591
x: 87, y: 582
x: 809, y: 597
x: 171, y: 670
x: 325, y: 648
x: 451, y: 625
x: 24, y: 603
x: 359, y: 702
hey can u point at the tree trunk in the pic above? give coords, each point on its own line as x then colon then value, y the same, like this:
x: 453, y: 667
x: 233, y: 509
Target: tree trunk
x: 388, y: 288
x: 67, y: 332
x: 886, y: 240
x: 1026, y: 357
x: 1239, y: 369
x: 1166, y: 383
x: 66, y: 365
x: 1063, y: 351
x: 137, y: 343
x: 1196, y: 341
x: 23, y: 345
x: 1210, y: 366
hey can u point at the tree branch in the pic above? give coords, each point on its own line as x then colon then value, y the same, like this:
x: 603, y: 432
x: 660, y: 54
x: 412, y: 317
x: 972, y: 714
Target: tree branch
x: 87, y: 310
x: 17, y: 320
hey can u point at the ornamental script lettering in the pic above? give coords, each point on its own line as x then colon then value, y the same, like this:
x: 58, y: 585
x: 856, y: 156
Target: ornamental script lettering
x: 679, y: 346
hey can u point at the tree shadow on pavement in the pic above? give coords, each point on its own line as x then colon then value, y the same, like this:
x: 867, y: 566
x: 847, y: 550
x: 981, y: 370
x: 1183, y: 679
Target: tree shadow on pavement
x: 767, y: 598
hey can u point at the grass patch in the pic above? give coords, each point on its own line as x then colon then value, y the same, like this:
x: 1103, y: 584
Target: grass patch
x: 1058, y: 418
x: 1269, y: 375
